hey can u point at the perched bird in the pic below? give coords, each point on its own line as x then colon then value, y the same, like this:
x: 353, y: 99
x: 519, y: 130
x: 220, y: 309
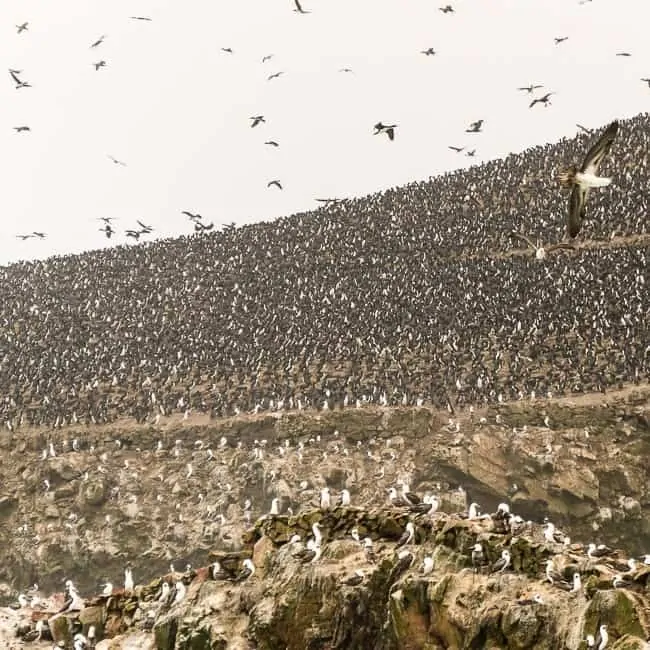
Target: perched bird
x: 344, y: 499
x: 22, y: 28
x: 502, y: 563
x: 407, y: 537
x: 478, y: 557
x: 276, y: 183
x: 247, y: 571
x: 582, y: 179
x: 108, y: 589
x: 256, y: 120
x: 325, y: 498
x: 475, y: 127
x: 369, y: 550
x: 560, y: 39
x: 535, y: 600
x: 388, y: 129
x: 544, y: 99
x: 531, y: 88
x: 129, y: 584
x: 299, y: 9
x: 619, y: 582
x: 427, y: 565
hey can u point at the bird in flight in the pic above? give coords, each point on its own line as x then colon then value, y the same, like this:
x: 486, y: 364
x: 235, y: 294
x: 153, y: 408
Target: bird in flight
x: 200, y: 227
x: 561, y: 39
x: 540, y: 251
x: 192, y: 217
x: 19, y: 84
x: 99, y: 64
x: 40, y: 235
x: 275, y: 75
x: 646, y: 81
x: 135, y: 234
x: 582, y: 179
x: 346, y: 70
x: 20, y: 129
x: 584, y: 129
x: 447, y: 9
x: 145, y: 229
x: 227, y: 49
x: 328, y: 201
x: 457, y: 149
x: 24, y: 237
x: 107, y: 230
x: 623, y: 54
x: 531, y: 88
x: 471, y: 153
x: 276, y: 183
x: 388, y: 129
x: 22, y: 28
x: 299, y: 9
x: 256, y: 120
x: 115, y: 160
x: 266, y: 58
x: 140, y: 18
x: 475, y: 127
x: 99, y: 41
x: 428, y: 52
x: 273, y: 143
x: 544, y: 99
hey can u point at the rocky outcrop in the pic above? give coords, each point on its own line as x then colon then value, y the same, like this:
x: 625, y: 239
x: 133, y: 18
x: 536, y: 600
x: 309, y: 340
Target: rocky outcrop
x: 292, y: 603
x: 173, y: 493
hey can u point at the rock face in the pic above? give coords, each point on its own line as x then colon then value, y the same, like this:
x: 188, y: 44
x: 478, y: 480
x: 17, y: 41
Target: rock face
x: 292, y: 603
x: 124, y: 497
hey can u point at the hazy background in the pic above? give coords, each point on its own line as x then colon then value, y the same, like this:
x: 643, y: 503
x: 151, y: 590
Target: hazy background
x: 175, y: 108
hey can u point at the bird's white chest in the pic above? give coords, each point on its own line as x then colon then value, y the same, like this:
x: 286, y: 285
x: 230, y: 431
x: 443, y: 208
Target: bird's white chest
x: 589, y: 180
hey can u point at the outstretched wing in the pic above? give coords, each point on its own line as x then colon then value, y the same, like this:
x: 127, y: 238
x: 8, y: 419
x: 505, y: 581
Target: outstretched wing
x: 528, y: 241
x: 599, y: 150
x: 576, y: 215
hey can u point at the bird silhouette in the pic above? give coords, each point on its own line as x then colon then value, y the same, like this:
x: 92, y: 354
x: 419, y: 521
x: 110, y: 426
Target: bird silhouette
x: 276, y: 183
x: 22, y: 28
x: 531, y: 88
x: 299, y: 9
x: 428, y: 52
x: 274, y: 76
x: 256, y: 120
x: 266, y: 58
x: 272, y: 143
x: 116, y: 161
x: 388, y: 129
x: 99, y: 64
x: 560, y: 39
x: 99, y: 41
x: 447, y: 9
x: 20, y: 129
x: 140, y: 18
x: 545, y: 99
x: 456, y: 149
x: 475, y: 127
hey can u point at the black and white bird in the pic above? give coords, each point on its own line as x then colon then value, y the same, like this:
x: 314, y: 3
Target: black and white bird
x: 21, y: 129
x: 582, y: 179
x: 544, y: 99
x: 560, y: 39
x: 408, y: 535
x: 447, y: 9
x: 502, y: 563
x: 369, y: 551
x: 427, y: 565
x: 428, y: 52
x: 247, y: 571
x: 99, y: 64
x: 99, y: 41
x: 388, y: 129
x: 535, y: 600
x: 478, y: 557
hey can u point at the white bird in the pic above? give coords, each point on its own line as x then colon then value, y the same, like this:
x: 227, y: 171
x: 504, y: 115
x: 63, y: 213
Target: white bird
x: 325, y: 498
x: 472, y: 513
x: 165, y: 589
x: 318, y: 538
x: 345, y: 498
x: 128, y: 579
x: 108, y: 589
x: 275, y: 507
x: 502, y: 563
x: 604, y: 637
x: 427, y: 565
x: 247, y: 571
x: 180, y: 592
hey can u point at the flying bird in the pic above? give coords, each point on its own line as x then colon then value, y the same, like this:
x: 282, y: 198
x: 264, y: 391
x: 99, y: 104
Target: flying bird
x: 193, y: 217
x: 40, y: 235
x: 471, y: 153
x: 561, y: 39
x: 20, y: 129
x: 140, y: 18
x: 299, y: 9
x: 544, y: 99
x: 583, y: 179
x: 456, y: 149
x: 99, y: 64
x: 623, y: 54
x: 531, y: 88
x: 388, y: 129
x: 428, y: 52
x: 275, y: 75
x: 276, y: 183
x: 272, y: 143
x: 447, y: 9
x: 22, y: 28
x: 107, y: 230
x: 646, y: 81
x: 200, y: 227
x: 266, y: 58
x: 227, y: 49
x: 135, y: 234
x: 475, y: 127
x: 584, y: 129
x: 145, y: 229
x: 346, y: 70
x: 256, y: 120
x: 24, y: 237
x: 99, y: 41
x: 116, y: 161
x: 106, y: 219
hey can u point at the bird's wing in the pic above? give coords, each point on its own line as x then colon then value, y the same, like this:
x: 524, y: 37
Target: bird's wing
x: 298, y: 5
x: 528, y: 241
x: 533, y: 103
x: 576, y: 215
x: 15, y: 77
x: 561, y: 245
x: 599, y: 150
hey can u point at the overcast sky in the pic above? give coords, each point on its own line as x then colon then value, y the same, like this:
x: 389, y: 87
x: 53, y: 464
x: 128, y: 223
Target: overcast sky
x: 175, y: 108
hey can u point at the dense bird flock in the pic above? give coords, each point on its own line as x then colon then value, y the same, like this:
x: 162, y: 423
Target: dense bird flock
x: 417, y: 295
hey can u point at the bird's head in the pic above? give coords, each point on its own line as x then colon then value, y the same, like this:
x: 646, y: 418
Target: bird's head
x: 567, y: 178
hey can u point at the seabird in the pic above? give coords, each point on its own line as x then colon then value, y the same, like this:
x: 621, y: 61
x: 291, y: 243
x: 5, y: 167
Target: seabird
x: 116, y: 161
x: 410, y: 497
x: 275, y: 507
x: 478, y: 557
x: 228, y: 50
x: 272, y: 143
x: 276, y: 183
x: 502, y: 563
x: 583, y: 179
x: 73, y: 602
x: 457, y: 149
x: 180, y: 591
x: 275, y: 75
x: 447, y: 9
x: 428, y: 52
x: 108, y: 589
x: 99, y: 64
x: 128, y: 579
x: 318, y: 537
x: 311, y: 553
x: 325, y: 499
x: 552, y: 575
x: 99, y: 41
x: 544, y: 99
x: 560, y: 39
x: 388, y: 129
x: 216, y: 572
x: 266, y: 58
x: 22, y: 28
x: 531, y: 88
x: 540, y: 251
x: 344, y: 500
x: 355, y: 579
x: 256, y: 120
x: 475, y: 127
x: 299, y: 9
x: 473, y: 511
x: 584, y: 129
x: 604, y: 637
x: 140, y: 18
x: 247, y: 571
x: 20, y: 129
x: 623, y: 54
x: 107, y: 230
x: 407, y: 536
x: 619, y: 582
x: 427, y: 565
x: 368, y: 550
x: 646, y: 80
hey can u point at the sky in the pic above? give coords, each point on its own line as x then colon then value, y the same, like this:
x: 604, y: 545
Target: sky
x: 175, y: 108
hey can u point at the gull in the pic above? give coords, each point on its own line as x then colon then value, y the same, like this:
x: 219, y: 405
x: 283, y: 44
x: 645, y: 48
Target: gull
x: 544, y: 99
x: 99, y: 64
x: 199, y: 227
x: 604, y: 637
x: 345, y: 498
x: 584, y: 129
x: 116, y: 161
x: 428, y: 52
x: 266, y: 58
x: 619, y: 582
x: 540, y: 251
x: 346, y: 70
x: 99, y: 41
x: 475, y: 127
x: 623, y: 54
x: 180, y: 592
x: 276, y: 183
x: 108, y: 589
x: 456, y: 149
x: 531, y: 88
x: 256, y: 120
x: 14, y: 75
x: 275, y: 75
x: 193, y: 217
x: 135, y: 234
x: 471, y: 153
x: 325, y: 498
x: 368, y: 550
x: 535, y: 600
x: 299, y: 9
x: 388, y: 129
x: 561, y: 39
x: 247, y: 571
x: 145, y: 229
x: 427, y: 565
x: 583, y: 179
x: 40, y: 235
x: 646, y: 80
x: 447, y: 9
x: 552, y: 575
x: 272, y: 143
x: 477, y: 556
x: 140, y: 18
x: 107, y: 230
x: 20, y: 129
x: 227, y: 49
x: 22, y: 28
